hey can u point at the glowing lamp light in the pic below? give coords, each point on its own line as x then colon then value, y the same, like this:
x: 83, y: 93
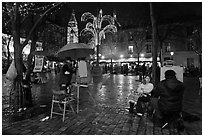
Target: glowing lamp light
x: 121, y: 56
x: 131, y: 56
x: 142, y: 55
x: 171, y: 53
x: 103, y: 57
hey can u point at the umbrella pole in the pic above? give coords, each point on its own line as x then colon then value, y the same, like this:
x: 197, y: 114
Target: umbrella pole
x: 78, y: 86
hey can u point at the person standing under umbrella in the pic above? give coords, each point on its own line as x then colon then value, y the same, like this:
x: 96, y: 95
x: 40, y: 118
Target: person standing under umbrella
x: 66, y: 75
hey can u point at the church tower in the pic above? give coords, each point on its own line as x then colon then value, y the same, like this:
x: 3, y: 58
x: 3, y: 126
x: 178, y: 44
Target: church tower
x: 72, y: 30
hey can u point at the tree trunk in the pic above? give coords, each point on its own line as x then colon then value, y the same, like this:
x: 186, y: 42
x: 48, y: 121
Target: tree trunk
x: 154, y: 44
x: 138, y: 59
x: 18, y: 100
x: 8, y: 52
x: 30, y: 56
x: 111, y: 67
x: 161, y: 54
x: 200, y: 62
x: 17, y: 103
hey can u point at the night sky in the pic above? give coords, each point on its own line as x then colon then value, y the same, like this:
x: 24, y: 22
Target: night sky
x: 131, y: 14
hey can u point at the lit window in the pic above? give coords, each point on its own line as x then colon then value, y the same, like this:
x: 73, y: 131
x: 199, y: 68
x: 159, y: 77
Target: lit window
x: 130, y: 49
x: 190, y: 62
x: 148, y: 48
x: 167, y: 47
x: 189, y: 45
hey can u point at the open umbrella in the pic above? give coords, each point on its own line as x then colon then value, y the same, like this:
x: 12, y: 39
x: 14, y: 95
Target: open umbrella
x: 75, y: 51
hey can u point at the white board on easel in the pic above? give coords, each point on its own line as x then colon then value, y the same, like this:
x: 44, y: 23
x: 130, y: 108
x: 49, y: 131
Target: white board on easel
x: 177, y: 69
x: 38, y: 63
x: 82, y: 67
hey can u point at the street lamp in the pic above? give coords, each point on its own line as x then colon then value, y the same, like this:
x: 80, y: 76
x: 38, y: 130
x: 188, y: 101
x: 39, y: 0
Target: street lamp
x: 172, y: 53
x: 142, y: 55
x: 121, y: 56
x: 96, y: 30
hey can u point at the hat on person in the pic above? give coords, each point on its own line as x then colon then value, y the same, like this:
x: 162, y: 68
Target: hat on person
x: 170, y: 73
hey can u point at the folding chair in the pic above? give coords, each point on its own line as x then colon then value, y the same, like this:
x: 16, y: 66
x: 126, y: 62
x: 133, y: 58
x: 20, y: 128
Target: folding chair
x: 61, y: 97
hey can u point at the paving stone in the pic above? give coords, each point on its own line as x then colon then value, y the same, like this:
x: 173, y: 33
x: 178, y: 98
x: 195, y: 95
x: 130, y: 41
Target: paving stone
x: 132, y: 133
x: 125, y: 129
x: 149, y: 130
x: 165, y: 132
x: 48, y: 133
x: 85, y: 130
x: 105, y: 120
x: 112, y: 126
x: 57, y: 132
x: 116, y: 131
x: 26, y: 131
x: 157, y: 131
x: 39, y: 133
x: 99, y: 132
x: 77, y: 131
x: 141, y: 131
x: 62, y: 128
x: 123, y: 133
x: 78, y: 123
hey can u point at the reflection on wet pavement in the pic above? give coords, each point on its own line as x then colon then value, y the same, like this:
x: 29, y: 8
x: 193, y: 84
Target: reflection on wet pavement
x: 113, y: 90
x: 107, y: 115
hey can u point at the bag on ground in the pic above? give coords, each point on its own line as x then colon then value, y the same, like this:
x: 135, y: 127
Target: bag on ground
x: 12, y: 72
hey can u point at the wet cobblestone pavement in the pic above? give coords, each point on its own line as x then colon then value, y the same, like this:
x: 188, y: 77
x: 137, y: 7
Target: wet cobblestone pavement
x: 106, y: 116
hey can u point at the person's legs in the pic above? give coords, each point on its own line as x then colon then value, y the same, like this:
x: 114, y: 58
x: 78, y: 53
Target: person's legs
x: 132, y: 105
x: 139, y: 107
x: 154, y: 102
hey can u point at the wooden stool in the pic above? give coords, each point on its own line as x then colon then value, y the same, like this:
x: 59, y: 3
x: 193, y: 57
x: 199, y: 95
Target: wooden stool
x: 61, y: 97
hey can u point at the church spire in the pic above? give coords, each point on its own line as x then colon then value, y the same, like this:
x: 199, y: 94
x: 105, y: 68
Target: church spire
x: 72, y: 29
x: 73, y: 18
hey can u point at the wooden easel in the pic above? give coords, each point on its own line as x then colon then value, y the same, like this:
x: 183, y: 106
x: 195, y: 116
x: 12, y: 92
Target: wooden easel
x: 78, y: 83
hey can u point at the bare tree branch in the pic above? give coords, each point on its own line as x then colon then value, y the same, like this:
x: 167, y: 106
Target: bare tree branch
x: 36, y: 23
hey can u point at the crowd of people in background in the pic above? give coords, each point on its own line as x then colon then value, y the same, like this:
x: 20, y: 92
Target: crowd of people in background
x: 192, y: 71
x: 133, y: 69
x: 146, y: 69
x: 125, y: 69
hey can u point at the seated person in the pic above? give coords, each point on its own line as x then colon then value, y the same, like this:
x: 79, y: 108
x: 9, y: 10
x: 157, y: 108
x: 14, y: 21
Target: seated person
x: 66, y: 76
x: 144, y: 92
x: 168, y: 95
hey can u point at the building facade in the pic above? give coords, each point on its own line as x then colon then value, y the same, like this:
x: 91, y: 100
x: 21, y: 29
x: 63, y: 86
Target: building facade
x: 177, y: 46
x: 53, y: 37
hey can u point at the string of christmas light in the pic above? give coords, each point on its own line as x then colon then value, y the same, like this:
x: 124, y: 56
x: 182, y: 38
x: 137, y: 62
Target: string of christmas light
x: 27, y: 8
x: 56, y: 9
x: 30, y: 7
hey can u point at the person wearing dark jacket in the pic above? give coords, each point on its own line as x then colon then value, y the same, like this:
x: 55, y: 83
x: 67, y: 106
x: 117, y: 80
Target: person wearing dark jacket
x: 66, y: 75
x: 170, y: 95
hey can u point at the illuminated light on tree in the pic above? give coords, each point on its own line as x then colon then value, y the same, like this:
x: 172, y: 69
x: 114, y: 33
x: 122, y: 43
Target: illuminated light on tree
x: 95, y: 28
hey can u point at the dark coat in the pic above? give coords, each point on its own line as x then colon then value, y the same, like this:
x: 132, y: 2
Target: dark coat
x: 66, y: 78
x: 170, y: 93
